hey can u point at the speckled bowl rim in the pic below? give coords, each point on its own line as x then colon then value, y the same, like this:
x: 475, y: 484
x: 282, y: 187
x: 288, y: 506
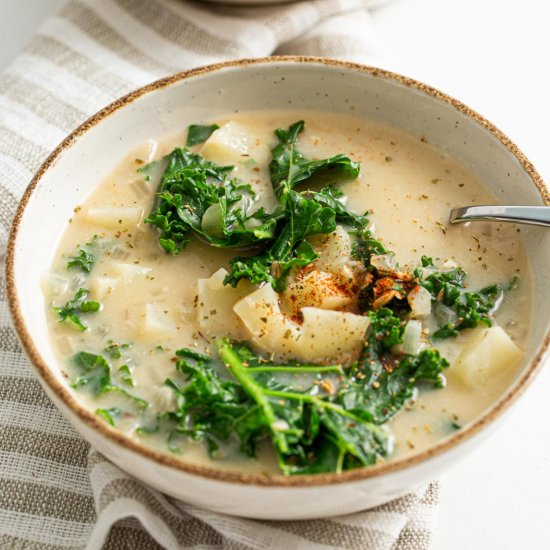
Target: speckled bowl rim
x: 276, y: 480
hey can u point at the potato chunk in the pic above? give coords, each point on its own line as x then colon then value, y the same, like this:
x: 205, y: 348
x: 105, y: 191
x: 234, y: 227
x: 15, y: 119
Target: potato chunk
x: 227, y: 144
x: 334, y: 252
x: 330, y: 334
x: 489, y: 352
x: 129, y: 272
x: 268, y: 327
x: 316, y: 289
x: 103, y: 286
x: 215, y: 303
x: 115, y: 217
x: 156, y: 321
x: 323, y: 335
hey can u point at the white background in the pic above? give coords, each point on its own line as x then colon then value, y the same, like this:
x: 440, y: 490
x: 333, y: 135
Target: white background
x: 494, y: 56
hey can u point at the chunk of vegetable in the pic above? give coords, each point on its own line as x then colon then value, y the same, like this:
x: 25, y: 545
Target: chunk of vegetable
x: 322, y: 335
x: 113, y: 217
x: 227, y: 144
x: 129, y: 272
x: 334, y: 251
x: 215, y: 303
x: 488, y: 353
x: 53, y: 284
x: 420, y: 301
x: 157, y: 321
x: 268, y: 327
x: 330, y: 334
x: 316, y: 289
x: 102, y: 287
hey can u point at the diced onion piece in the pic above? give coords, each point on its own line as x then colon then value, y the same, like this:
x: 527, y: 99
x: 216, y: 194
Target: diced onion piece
x: 488, y: 353
x: 444, y: 314
x: 411, y: 337
x: 156, y: 321
x: 268, y: 327
x: 227, y: 145
x: 334, y: 251
x: 53, y: 284
x: 102, y: 287
x: 115, y: 217
x: 129, y: 272
x: 163, y: 399
x: 420, y: 301
x: 330, y: 334
x: 384, y: 262
x: 215, y: 303
x: 212, y: 220
x: 450, y: 264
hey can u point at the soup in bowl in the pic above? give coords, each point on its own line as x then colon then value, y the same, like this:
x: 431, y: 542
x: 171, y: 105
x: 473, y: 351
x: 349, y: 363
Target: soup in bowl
x: 249, y: 296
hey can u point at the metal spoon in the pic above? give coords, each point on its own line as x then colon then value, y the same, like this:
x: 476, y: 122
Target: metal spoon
x: 532, y: 215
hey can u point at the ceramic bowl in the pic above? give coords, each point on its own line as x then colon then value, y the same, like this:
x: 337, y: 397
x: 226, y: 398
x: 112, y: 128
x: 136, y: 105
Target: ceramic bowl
x: 166, y: 106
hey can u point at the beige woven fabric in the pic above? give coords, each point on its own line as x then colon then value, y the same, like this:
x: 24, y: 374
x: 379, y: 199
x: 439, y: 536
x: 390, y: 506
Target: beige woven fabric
x: 55, y: 492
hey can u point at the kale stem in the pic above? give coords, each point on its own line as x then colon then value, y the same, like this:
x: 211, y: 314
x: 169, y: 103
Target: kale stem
x: 231, y: 360
x: 320, y: 403
x: 310, y: 399
x: 301, y: 368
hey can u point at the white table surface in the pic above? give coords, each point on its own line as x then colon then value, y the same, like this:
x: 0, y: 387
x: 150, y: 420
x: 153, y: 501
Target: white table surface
x: 492, y: 55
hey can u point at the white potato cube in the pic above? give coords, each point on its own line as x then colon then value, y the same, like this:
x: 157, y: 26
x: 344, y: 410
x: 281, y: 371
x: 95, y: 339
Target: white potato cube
x: 227, y: 145
x: 115, y: 217
x: 334, y: 251
x: 322, y: 335
x: 129, y: 272
x: 316, y: 289
x: 488, y: 353
x: 156, y: 321
x: 268, y: 327
x: 330, y: 334
x: 102, y: 287
x: 215, y: 303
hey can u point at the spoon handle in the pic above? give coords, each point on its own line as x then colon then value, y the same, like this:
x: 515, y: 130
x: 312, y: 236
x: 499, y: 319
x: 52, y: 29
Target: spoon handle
x: 533, y: 215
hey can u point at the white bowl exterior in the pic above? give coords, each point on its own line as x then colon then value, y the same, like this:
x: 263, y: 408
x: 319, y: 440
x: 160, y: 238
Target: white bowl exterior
x: 273, y: 85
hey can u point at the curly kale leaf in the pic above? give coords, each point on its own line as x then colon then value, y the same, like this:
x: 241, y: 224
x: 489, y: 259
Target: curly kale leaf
x: 288, y: 166
x: 303, y: 214
x: 199, y: 134
x: 195, y: 195
x: 382, y: 382
x: 86, y: 256
x: 71, y: 311
x: 447, y: 286
x: 94, y: 373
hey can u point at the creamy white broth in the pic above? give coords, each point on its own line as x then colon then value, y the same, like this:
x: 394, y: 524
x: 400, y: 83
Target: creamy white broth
x: 407, y: 183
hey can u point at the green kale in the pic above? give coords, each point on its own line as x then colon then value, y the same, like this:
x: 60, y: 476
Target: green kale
x: 255, y: 400
x: 110, y: 416
x: 288, y: 166
x: 303, y: 217
x: 381, y: 382
x: 195, y: 195
x: 199, y: 134
x: 86, y: 256
x: 114, y: 350
x: 125, y: 374
x: 71, y: 311
x: 303, y: 214
x: 447, y: 286
x: 95, y: 375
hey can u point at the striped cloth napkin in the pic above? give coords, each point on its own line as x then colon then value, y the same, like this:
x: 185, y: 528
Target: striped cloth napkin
x: 55, y: 491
